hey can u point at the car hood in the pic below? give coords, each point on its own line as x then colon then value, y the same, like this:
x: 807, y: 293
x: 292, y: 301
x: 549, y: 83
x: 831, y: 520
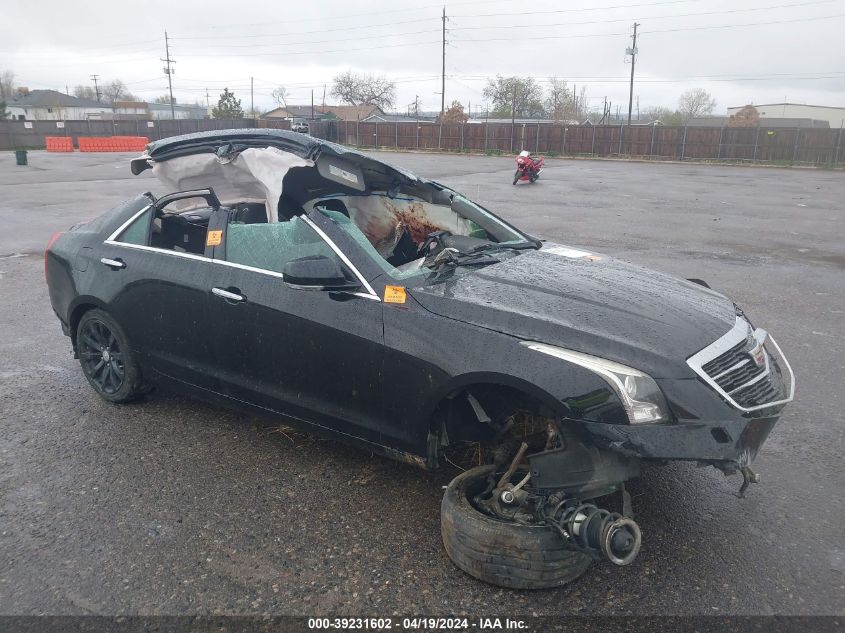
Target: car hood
x: 589, y: 303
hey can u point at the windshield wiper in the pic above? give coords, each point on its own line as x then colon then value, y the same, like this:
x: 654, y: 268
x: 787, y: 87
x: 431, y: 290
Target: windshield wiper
x: 450, y: 257
x: 518, y: 246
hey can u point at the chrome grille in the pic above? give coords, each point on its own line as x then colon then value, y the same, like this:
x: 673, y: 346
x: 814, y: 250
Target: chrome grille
x: 742, y: 370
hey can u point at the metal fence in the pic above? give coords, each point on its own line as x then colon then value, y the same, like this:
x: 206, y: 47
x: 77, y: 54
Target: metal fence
x: 816, y: 146
x: 30, y: 134
x: 812, y: 146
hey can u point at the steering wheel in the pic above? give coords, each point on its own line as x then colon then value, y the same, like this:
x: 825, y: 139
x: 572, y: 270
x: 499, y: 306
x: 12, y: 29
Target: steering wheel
x: 432, y: 242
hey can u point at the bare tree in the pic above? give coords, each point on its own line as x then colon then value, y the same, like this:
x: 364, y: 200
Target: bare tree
x: 164, y: 99
x: 84, y: 92
x: 116, y: 90
x: 696, y: 102
x: 360, y: 89
x: 280, y: 96
x: 7, y: 85
x: 560, y: 104
x: 666, y: 116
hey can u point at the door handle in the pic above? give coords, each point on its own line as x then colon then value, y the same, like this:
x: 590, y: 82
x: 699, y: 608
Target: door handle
x: 113, y: 263
x: 228, y: 295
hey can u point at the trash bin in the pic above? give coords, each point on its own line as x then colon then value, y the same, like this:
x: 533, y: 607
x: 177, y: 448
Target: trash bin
x: 20, y: 157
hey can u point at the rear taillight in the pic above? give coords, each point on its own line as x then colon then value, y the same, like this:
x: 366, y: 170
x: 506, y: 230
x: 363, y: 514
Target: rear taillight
x: 50, y: 243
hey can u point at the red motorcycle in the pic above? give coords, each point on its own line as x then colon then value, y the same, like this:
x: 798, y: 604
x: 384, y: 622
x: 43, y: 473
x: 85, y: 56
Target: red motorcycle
x: 528, y: 167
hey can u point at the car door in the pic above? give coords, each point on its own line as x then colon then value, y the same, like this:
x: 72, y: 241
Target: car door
x: 314, y: 355
x: 162, y: 285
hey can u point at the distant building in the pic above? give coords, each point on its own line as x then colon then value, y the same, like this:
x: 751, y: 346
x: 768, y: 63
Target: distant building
x: 382, y: 117
x: 298, y: 112
x: 143, y: 111
x: 834, y: 116
x: 52, y: 105
x: 131, y: 110
x: 163, y: 111
x: 724, y: 121
x: 325, y: 113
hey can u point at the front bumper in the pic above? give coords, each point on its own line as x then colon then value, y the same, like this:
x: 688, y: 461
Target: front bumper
x: 727, y: 444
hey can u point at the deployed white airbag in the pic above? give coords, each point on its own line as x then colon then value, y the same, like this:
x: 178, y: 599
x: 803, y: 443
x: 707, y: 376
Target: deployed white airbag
x: 255, y: 174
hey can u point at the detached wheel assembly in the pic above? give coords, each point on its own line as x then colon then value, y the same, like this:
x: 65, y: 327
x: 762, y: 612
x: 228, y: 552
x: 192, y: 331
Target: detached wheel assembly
x: 500, y: 552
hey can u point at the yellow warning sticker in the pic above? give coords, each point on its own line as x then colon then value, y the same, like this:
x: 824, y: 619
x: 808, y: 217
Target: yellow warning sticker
x: 214, y: 238
x: 394, y: 294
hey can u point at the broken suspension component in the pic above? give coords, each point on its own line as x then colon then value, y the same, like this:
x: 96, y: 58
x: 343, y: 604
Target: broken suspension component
x: 598, y: 532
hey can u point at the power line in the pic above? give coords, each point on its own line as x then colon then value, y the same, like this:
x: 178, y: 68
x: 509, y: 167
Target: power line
x: 320, y: 52
x: 675, y: 30
x: 358, y: 38
x: 577, y: 10
x: 344, y: 28
x: 651, y: 17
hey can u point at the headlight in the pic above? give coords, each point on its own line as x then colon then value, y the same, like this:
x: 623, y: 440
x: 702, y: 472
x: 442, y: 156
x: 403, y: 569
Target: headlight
x: 640, y: 395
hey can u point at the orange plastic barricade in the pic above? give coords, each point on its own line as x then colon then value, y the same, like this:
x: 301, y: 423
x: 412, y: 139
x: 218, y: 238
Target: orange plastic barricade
x: 112, y: 144
x: 58, y: 143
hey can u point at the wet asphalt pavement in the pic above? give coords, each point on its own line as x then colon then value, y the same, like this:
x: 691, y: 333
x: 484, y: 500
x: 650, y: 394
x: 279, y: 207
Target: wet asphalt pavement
x: 171, y: 506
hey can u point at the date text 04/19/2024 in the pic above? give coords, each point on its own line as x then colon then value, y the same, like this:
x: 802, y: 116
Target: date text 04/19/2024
x: 418, y: 624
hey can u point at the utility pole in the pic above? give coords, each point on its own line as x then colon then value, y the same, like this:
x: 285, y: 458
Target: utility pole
x: 207, y: 101
x: 633, y: 53
x: 324, y: 97
x: 96, y: 86
x: 443, y: 70
x: 312, y: 104
x: 513, y: 114
x: 169, y: 72
x: 252, y: 97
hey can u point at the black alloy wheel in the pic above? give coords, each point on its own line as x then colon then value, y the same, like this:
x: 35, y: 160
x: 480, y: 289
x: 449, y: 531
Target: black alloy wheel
x: 106, y: 359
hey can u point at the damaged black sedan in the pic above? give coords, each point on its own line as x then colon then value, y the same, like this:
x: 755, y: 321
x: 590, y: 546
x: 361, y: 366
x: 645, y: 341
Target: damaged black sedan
x: 289, y: 276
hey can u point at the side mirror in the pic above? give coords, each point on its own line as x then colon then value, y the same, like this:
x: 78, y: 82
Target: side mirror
x: 316, y: 272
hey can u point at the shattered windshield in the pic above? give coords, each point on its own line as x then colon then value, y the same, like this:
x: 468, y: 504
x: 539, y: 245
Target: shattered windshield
x: 411, y: 236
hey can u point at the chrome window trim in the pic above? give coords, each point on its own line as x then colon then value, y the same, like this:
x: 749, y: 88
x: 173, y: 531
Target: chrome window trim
x: 736, y: 335
x: 111, y: 240
x: 123, y: 226
x: 153, y: 249
x: 342, y: 256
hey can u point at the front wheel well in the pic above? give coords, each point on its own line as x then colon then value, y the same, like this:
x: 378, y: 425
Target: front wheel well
x: 482, y: 416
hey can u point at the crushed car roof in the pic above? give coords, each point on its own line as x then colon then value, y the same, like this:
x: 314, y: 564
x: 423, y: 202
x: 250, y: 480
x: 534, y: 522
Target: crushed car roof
x: 214, y: 141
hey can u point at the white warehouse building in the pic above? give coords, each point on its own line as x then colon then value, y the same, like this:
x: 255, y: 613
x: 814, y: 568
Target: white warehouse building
x: 834, y: 116
x: 51, y: 105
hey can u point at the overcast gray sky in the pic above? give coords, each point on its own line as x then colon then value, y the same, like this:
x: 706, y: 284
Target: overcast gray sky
x: 741, y: 51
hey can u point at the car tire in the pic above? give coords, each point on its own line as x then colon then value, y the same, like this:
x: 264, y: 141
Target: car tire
x: 107, y: 359
x: 499, y: 552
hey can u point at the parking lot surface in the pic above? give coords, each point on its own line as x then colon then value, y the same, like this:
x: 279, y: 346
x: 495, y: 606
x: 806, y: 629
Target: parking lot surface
x: 171, y: 506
